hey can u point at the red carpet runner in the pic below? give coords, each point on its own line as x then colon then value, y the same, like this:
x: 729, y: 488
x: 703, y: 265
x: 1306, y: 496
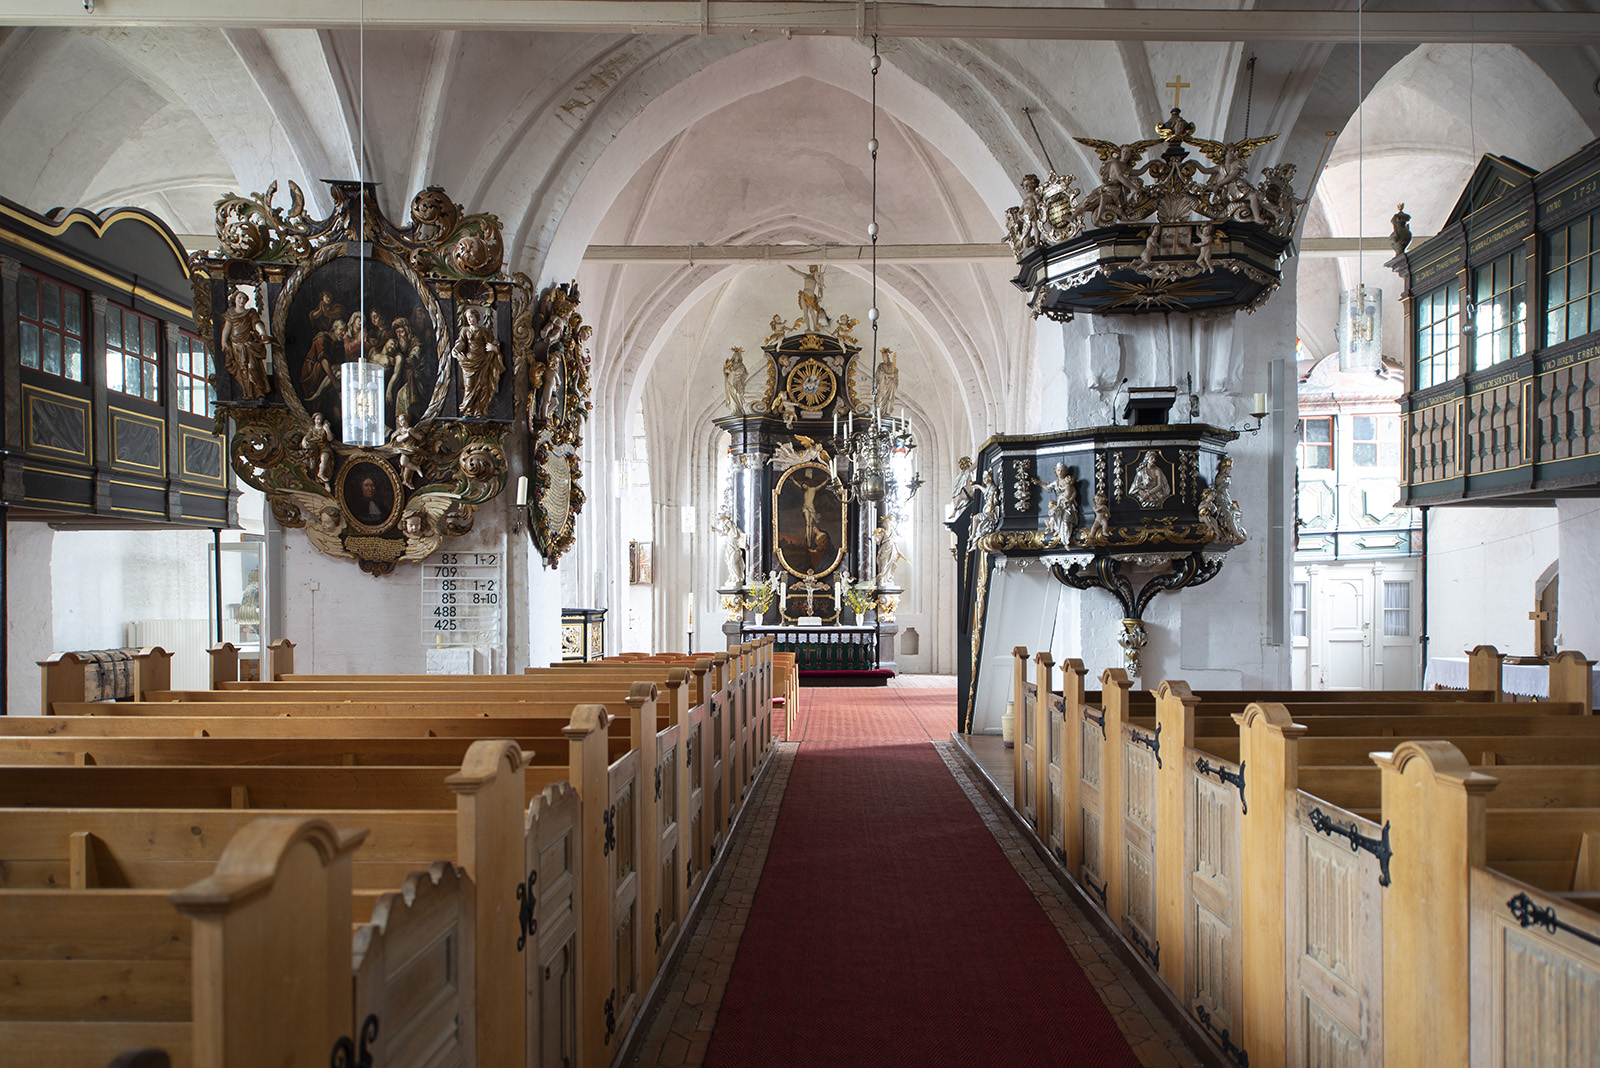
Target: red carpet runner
x: 888, y: 928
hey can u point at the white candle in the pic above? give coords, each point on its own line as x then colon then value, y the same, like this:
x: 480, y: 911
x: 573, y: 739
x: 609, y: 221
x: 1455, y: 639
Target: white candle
x: 522, y: 491
x: 1261, y: 404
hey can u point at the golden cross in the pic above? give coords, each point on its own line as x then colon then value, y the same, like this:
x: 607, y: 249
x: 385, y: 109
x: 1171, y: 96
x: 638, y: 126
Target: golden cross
x: 1177, y: 85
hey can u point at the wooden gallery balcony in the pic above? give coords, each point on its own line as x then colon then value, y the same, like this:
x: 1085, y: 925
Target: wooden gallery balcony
x: 108, y: 395
x: 1502, y: 322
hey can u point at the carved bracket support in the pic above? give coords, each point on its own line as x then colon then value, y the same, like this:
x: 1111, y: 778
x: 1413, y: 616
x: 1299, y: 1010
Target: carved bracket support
x: 1111, y: 573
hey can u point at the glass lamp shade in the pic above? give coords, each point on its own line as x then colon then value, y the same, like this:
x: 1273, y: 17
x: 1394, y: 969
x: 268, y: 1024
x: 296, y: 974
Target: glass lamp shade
x: 1360, y: 329
x: 362, y: 393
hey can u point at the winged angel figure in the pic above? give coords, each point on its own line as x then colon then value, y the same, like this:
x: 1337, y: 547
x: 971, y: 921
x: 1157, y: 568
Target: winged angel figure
x: 1232, y: 195
x: 1118, y: 197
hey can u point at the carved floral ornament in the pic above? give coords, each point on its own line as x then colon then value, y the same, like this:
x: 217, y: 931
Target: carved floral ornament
x: 426, y: 312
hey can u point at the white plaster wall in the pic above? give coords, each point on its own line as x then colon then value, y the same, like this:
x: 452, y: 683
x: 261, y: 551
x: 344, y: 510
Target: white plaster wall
x: 1021, y: 610
x: 344, y: 620
x: 1216, y: 634
x: 1482, y: 567
x: 29, y: 629
x: 1579, y: 598
x: 106, y: 579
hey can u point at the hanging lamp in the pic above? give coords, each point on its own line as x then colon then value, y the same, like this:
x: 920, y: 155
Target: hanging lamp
x: 1359, y: 329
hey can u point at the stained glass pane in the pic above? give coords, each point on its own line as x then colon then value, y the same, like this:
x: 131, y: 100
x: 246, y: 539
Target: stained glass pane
x: 1558, y: 247
x: 50, y: 304
x: 30, y: 345
x: 73, y: 320
x: 113, y: 371
x: 130, y: 374
x: 28, y: 295
x: 148, y: 332
x: 72, y: 359
x: 152, y: 386
x: 1578, y: 318
x: 51, y: 364
x: 114, y: 327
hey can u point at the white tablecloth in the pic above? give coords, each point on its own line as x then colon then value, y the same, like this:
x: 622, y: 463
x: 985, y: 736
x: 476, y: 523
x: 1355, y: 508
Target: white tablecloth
x: 1524, y: 680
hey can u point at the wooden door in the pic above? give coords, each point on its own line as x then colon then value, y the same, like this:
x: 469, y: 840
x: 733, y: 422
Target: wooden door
x: 1334, y: 942
x: 1091, y: 739
x: 1139, y: 841
x: 552, y: 907
x: 1213, y: 897
x: 1346, y: 604
x: 1022, y: 733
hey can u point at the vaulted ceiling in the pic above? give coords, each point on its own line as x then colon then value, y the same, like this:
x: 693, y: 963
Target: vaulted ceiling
x: 598, y: 137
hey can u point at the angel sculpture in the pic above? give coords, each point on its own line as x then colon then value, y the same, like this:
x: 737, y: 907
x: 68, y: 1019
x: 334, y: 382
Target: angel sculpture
x: 1121, y: 187
x: 780, y: 329
x: 1232, y: 194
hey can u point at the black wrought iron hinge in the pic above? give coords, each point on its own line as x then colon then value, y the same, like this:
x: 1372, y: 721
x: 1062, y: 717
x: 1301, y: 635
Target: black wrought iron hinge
x: 1151, y: 953
x: 1530, y: 915
x: 688, y: 873
x: 611, y: 1015
x: 1061, y: 855
x: 610, y: 816
x: 1099, y: 891
x: 1378, y: 847
x: 525, y: 904
x: 1099, y: 721
x: 345, y: 1054
x: 658, y: 928
x: 688, y: 753
x: 1205, y: 767
x: 1239, y: 1056
x: 1152, y: 744
x: 658, y: 782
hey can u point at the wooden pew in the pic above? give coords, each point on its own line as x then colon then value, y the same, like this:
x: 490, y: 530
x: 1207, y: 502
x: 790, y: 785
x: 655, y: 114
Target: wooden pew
x: 91, y: 973
x: 1165, y: 843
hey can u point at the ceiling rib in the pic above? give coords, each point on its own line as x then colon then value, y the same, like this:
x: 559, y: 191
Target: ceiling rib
x: 840, y: 18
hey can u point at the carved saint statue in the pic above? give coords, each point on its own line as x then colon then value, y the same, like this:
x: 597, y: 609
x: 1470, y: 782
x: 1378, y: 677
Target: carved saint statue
x: 987, y: 521
x: 1219, y: 515
x: 887, y: 549
x: 734, y: 544
x: 964, y: 492
x: 1400, y: 236
x: 888, y: 380
x: 734, y: 375
x: 477, y: 353
x: 1064, y: 505
x: 810, y: 298
x: 1149, y: 485
x: 318, y: 445
x: 244, y: 346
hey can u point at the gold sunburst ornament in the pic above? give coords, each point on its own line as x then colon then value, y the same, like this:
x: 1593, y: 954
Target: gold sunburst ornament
x: 811, y: 385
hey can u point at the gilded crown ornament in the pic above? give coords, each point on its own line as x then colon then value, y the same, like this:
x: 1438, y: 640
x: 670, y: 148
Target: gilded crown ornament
x: 1169, y: 233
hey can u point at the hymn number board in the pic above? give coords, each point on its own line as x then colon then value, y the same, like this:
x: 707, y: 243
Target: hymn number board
x: 462, y: 599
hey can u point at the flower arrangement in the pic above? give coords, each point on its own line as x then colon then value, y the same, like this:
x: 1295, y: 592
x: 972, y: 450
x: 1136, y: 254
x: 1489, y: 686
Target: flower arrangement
x: 861, y: 599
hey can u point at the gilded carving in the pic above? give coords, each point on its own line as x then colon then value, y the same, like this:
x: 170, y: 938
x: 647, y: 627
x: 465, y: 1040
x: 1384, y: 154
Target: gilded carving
x: 558, y: 404
x: 355, y: 289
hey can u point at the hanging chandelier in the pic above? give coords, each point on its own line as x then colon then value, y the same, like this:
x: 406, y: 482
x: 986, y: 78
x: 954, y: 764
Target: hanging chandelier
x: 1359, y: 328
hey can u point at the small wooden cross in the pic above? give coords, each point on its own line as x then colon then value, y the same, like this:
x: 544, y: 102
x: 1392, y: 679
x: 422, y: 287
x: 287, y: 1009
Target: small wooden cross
x: 1177, y: 85
x: 1540, y: 618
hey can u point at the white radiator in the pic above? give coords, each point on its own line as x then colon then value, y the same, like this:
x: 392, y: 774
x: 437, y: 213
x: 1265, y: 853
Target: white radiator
x: 186, y: 639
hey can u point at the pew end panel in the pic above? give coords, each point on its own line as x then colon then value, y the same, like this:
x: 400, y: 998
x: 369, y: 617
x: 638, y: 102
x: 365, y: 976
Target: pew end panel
x: 552, y: 905
x: 272, y: 943
x: 414, y: 968
x: 1535, y: 975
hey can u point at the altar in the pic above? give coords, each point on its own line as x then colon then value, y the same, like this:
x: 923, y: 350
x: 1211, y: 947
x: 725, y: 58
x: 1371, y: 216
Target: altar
x: 1526, y: 680
x: 810, y: 522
